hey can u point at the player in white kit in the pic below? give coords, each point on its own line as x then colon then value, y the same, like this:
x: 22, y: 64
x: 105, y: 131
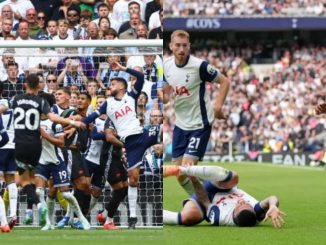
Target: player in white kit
x: 220, y: 202
x: 8, y: 163
x: 121, y: 109
x: 185, y: 77
x: 4, y: 138
x: 52, y: 168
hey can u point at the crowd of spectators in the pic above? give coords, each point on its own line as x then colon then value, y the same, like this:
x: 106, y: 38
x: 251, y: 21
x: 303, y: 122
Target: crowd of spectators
x: 184, y: 8
x: 269, y: 113
x: 78, y: 68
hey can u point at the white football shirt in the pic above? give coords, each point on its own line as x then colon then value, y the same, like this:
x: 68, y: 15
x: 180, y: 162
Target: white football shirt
x: 193, y: 109
x: 49, y: 151
x: 227, y: 201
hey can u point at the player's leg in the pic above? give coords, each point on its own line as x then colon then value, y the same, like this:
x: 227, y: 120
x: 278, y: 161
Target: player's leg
x: 191, y: 214
x: 42, y: 175
x: 73, y: 203
x: 50, y: 203
x: 135, y: 146
x: 9, y: 168
x: 117, y: 177
x: 196, y: 141
x: 81, y: 182
x: 13, y: 195
x: 218, y: 176
x: 3, y: 219
x: 179, y: 143
x: 30, y: 190
x: 97, y: 182
x: 61, y: 181
x: 133, y: 179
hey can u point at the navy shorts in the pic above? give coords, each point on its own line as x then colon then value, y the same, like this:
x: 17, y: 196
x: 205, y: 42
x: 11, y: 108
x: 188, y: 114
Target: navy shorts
x: 8, y: 163
x: 137, y: 144
x: 58, y: 172
x: 190, y: 143
x: 96, y: 172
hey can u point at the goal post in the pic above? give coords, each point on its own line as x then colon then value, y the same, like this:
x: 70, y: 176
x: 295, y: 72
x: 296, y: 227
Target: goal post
x: 74, y: 64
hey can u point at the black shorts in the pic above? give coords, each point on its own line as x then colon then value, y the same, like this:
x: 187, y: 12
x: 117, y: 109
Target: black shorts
x: 78, y: 168
x: 117, y: 171
x: 28, y: 154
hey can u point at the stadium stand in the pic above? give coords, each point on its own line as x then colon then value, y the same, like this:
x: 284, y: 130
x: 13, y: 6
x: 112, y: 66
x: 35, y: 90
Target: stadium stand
x: 75, y: 68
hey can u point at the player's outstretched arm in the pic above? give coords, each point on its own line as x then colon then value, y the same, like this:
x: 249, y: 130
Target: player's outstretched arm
x: 271, y: 204
x: 64, y: 121
x: 223, y: 91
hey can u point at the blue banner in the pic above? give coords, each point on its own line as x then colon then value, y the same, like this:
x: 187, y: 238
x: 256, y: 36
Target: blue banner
x: 245, y: 24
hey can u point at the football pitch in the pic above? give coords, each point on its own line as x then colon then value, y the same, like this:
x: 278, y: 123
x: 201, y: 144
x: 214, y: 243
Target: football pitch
x: 302, y: 195
x: 33, y: 236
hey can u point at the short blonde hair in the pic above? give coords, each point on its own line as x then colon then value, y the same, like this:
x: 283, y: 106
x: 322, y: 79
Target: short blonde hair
x: 62, y: 21
x: 179, y: 33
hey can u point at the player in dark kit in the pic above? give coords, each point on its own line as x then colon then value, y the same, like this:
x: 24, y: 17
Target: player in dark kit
x: 117, y: 176
x: 28, y: 109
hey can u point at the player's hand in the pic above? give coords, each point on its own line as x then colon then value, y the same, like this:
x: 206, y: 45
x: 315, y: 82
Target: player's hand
x: 276, y: 215
x: 320, y: 109
x: 43, y: 133
x: 69, y: 132
x: 219, y: 113
x: 79, y: 124
x: 116, y: 66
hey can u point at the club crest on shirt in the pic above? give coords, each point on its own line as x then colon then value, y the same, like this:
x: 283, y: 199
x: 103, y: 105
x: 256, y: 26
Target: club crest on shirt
x: 187, y: 78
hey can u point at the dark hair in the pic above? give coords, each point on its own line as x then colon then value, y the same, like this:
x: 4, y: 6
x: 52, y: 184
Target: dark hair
x: 110, y: 31
x: 102, y: 5
x: 86, y: 14
x: 144, y: 93
x: 101, y: 18
x: 32, y: 81
x: 89, y: 97
x: 91, y: 80
x: 133, y: 2
x: 66, y: 90
x: 245, y: 218
x: 74, y: 7
x: 120, y: 80
x: 12, y: 63
x: 48, y: 97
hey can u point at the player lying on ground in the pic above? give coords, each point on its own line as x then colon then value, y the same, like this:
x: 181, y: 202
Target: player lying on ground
x: 219, y: 201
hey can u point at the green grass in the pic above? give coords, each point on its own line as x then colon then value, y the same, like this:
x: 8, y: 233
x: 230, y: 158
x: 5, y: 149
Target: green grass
x: 23, y: 236
x: 301, y: 191
x: 302, y: 195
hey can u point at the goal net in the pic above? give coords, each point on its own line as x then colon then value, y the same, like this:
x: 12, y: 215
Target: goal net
x: 74, y: 65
